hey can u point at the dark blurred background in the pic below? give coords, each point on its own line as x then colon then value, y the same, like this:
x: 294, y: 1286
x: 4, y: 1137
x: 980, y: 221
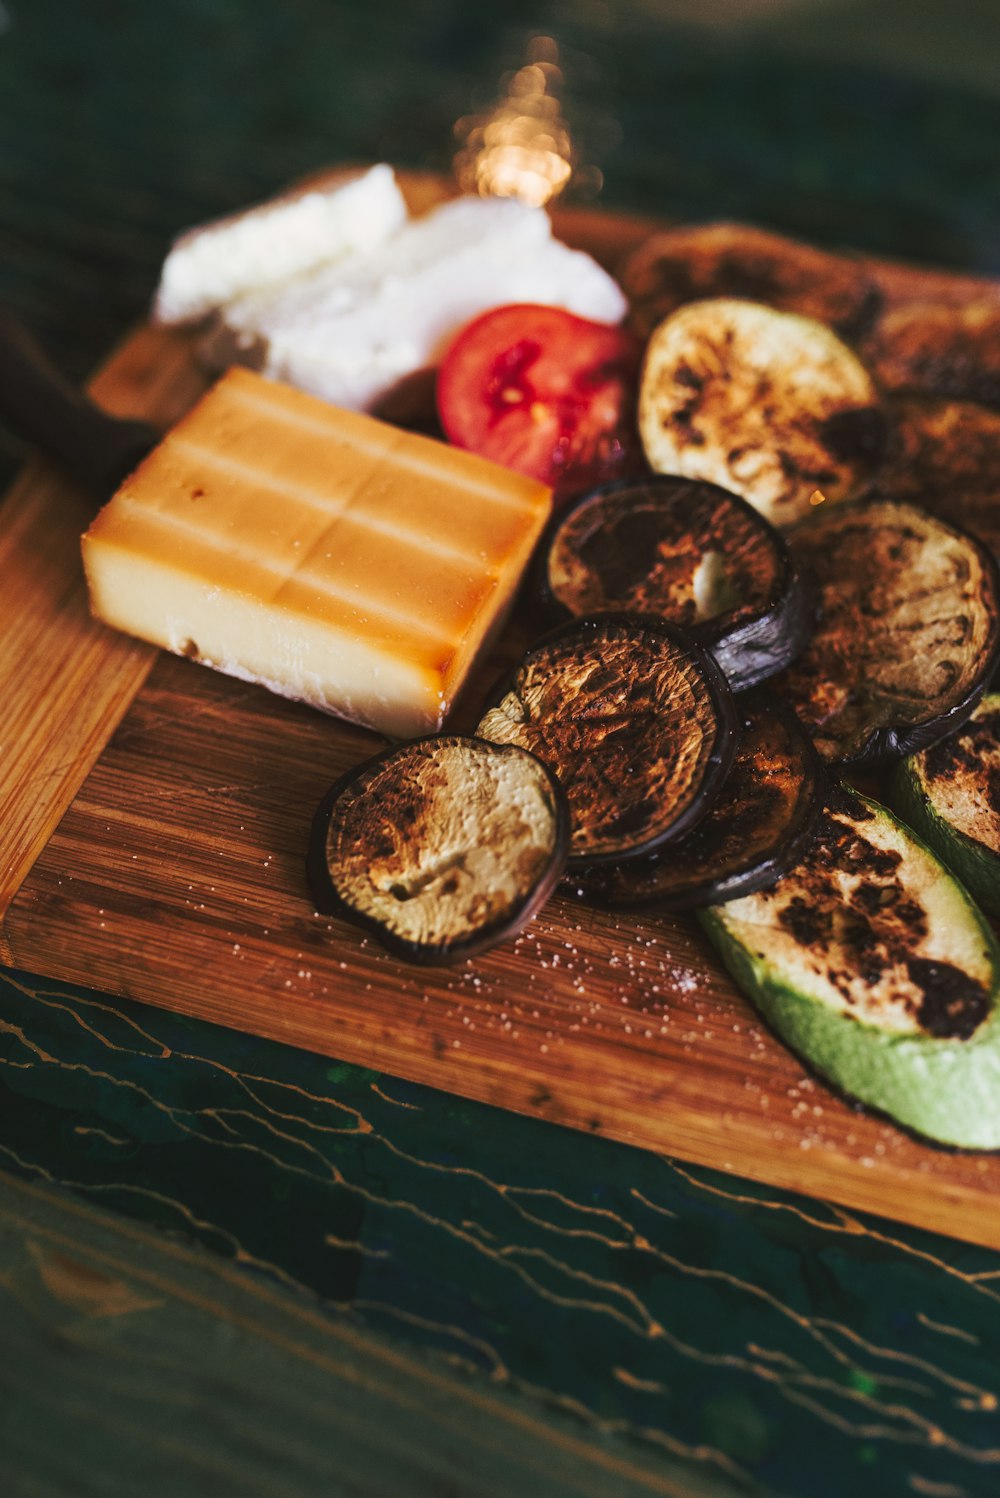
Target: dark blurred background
x: 873, y: 123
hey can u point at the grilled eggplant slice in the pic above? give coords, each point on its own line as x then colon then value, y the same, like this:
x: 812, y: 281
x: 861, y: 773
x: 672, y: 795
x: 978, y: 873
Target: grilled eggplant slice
x: 768, y: 404
x: 950, y: 795
x: 738, y: 260
x: 907, y: 632
x: 440, y: 847
x: 755, y: 830
x: 873, y: 964
x: 944, y: 455
x: 688, y: 552
x: 635, y: 720
x: 940, y: 348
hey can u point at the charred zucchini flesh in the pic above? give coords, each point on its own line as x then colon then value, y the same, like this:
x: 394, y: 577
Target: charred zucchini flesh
x: 689, y: 552
x: 940, y: 349
x: 737, y: 260
x: 755, y: 830
x: 439, y: 847
x: 636, y: 722
x: 950, y: 795
x: 944, y: 455
x: 765, y: 403
x: 907, y: 631
x: 873, y: 964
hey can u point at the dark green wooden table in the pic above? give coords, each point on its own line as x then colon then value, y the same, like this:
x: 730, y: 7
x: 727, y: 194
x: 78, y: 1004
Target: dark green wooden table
x: 230, y: 1267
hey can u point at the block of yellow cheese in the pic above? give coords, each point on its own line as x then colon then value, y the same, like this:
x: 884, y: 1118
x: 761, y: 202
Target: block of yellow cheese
x: 324, y: 554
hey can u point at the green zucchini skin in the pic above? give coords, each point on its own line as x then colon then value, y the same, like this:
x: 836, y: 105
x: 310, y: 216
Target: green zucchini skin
x: 944, y: 1089
x: 976, y: 865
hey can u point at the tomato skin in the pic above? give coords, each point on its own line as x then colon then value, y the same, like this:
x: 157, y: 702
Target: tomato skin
x: 544, y: 392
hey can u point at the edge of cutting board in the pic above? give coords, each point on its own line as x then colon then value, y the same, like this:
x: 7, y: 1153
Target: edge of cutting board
x: 154, y: 818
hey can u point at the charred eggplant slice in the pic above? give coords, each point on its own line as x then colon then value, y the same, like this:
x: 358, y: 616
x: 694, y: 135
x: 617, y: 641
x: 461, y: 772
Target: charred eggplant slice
x: 768, y: 404
x: 756, y: 829
x: 950, y: 796
x: 907, y: 632
x: 688, y: 552
x: 944, y: 455
x: 873, y: 964
x: 940, y: 349
x: 738, y: 260
x: 633, y: 718
x: 440, y: 847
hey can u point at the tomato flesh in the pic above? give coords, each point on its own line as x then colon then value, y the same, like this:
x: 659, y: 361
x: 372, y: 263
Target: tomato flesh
x: 544, y: 392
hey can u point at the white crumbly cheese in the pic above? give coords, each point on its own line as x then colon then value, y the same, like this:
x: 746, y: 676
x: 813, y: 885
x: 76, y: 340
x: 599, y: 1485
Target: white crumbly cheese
x: 215, y: 263
x: 349, y: 331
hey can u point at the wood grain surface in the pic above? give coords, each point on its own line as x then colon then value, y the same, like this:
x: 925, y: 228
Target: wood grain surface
x: 176, y: 875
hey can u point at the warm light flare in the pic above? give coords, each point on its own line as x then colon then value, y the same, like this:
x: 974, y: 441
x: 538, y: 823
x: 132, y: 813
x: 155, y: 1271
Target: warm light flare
x: 522, y: 147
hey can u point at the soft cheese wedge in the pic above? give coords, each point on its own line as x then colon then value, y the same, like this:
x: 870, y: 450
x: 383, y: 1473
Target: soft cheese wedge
x: 323, y: 554
x: 352, y: 329
x: 209, y: 266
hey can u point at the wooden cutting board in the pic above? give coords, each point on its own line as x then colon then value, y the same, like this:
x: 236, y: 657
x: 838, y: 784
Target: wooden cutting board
x: 153, y: 824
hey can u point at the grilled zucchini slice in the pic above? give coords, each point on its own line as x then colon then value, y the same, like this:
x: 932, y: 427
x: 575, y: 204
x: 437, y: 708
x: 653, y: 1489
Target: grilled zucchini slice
x: 940, y: 348
x: 634, y: 719
x: 907, y: 633
x: 755, y: 830
x: 439, y: 847
x: 874, y: 965
x: 944, y: 455
x: 688, y: 552
x: 768, y: 404
x: 713, y: 260
x: 950, y: 795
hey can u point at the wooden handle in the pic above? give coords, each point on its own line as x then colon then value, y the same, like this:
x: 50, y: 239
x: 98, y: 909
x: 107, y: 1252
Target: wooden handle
x: 38, y: 403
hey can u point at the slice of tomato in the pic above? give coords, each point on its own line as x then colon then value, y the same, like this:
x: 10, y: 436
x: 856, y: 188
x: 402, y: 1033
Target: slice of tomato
x: 544, y: 392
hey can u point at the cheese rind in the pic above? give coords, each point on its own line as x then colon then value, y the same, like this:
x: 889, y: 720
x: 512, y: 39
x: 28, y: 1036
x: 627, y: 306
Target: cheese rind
x: 325, y: 555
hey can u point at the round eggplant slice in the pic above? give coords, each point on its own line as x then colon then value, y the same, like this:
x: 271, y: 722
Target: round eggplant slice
x: 944, y: 455
x: 688, y: 552
x: 633, y: 718
x: 756, y: 829
x: 765, y: 403
x: 440, y: 847
x: 940, y: 349
x: 950, y: 796
x: 738, y: 260
x: 907, y: 632
x: 872, y: 963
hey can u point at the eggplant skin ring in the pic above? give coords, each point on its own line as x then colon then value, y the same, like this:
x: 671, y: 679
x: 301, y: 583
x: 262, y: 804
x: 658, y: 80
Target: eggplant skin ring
x: 439, y: 847
x: 634, y: 719
x: 768, y: 404
x: 757, y: 828
x: 686, y: 551
x: 908, y: 630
